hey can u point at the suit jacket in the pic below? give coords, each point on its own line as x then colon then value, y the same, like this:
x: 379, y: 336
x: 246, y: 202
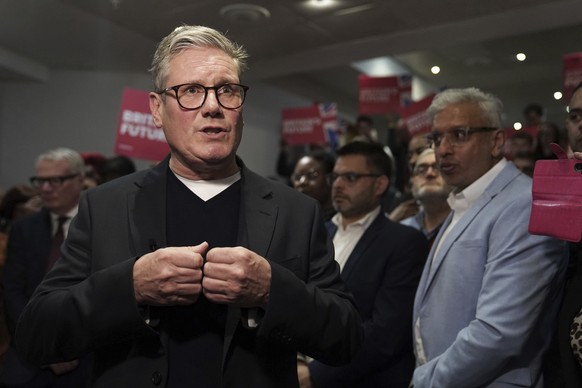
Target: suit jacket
x: 563, y: 368
x: 382, y: 272
x: 27, y: 252
x: 91, y: 286
x: 487, y: 301
x: 28, y: 249
x: 27, y: 256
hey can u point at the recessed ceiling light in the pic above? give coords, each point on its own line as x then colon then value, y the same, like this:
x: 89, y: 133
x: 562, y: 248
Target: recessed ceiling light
x: 558, y: 95
x: 244, y: 13
x: 435, y: 69
x: 517, y: 126
x: 520, y: 57
x: 321, y: 3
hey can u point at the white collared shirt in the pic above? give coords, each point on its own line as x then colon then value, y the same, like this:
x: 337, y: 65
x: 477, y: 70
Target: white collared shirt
x: 461, y: 202
x: 346, y: 239
x: 55, y: 221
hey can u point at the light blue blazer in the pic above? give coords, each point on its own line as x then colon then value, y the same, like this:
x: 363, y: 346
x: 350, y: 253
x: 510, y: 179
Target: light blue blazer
x: 487, y: 302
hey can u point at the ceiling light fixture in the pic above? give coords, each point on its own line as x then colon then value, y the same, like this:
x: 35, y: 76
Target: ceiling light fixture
x: 244, y: 13
x: 321, y: 3
x: 521, y: 57
x: 558, y: 95
x: 435, y: 69
x: 517, y: 126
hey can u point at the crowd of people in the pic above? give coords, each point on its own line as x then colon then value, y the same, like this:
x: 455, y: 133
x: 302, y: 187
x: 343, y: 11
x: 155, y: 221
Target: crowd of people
x: 199, y: 272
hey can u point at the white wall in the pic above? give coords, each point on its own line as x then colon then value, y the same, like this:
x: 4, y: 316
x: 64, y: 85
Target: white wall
x: 80, y: 110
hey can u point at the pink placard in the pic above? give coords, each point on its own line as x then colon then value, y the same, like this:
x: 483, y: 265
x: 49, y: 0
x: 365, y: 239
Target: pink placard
x: 137, y: 135
x: 381, y: 95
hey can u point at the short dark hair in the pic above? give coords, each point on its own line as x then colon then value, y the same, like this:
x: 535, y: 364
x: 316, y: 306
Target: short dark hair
x: 523, y: 135
x: 536, y: 108
x: 365, y: 119
x: 324, y: 158
x: 375, y: 155
x: 116, y: 167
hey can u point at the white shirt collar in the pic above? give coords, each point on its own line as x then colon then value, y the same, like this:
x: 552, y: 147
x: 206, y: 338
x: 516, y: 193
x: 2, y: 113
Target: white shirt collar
x: 208, y: 189
x: 364, y: 222
x: 463, y: 200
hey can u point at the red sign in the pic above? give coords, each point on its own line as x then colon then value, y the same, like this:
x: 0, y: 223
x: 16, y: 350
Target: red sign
x: 385, y: 94
x: 415, y: 117
x: 309, y: 125
x: 572, y: 73
x: 137, y: 135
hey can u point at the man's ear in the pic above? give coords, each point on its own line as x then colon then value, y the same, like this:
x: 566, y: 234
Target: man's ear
x: 382, y: 184
x: 156, y: 108
x: 498, y: 146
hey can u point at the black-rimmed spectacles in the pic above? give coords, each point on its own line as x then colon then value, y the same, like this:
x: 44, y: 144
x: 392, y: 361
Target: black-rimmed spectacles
x: 193, y: 96
x: 53, y: 181
x: 455, y: 136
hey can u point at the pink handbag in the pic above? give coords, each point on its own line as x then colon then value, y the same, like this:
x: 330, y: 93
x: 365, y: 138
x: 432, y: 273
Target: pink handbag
x: 557, y: 197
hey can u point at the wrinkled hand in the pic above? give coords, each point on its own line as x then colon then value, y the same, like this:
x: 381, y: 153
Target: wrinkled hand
x: 61, y: 368
x: 236, y: 276
x: 404, y: 210
x: 304, y: 375
x: 169, y: 276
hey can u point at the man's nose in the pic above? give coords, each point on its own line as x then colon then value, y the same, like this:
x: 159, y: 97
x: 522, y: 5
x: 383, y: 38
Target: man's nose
x: 445, y: 147
x: 211, y: 103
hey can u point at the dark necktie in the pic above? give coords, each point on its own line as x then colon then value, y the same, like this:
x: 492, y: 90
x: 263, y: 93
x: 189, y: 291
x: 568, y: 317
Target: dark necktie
x: 56, y: 243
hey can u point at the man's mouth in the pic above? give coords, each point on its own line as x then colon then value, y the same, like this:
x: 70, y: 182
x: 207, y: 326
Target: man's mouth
x: 212, y: 130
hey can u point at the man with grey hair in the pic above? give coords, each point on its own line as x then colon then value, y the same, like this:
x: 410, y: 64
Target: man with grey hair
x: 489, y: 293
x: 197, y: 272
x: 33, y: 247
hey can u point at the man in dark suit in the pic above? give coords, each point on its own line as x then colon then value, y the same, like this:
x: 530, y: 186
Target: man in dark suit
x: 381, y: 264
x: 197, y: 272
x: 30, y: 254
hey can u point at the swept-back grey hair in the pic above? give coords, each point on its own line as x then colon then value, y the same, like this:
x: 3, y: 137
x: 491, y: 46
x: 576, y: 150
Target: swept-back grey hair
x: 185, y: 37
x: 76, y: 163
x: 491, y: 106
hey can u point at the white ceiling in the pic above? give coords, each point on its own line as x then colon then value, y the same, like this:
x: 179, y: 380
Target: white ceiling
x: 310, y: 51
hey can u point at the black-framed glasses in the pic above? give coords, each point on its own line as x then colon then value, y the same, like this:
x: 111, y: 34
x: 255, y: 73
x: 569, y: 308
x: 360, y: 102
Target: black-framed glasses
x: 455, y: 136
x: 423, y: 168
x: 352, y: 177
x: 575, y: 115
x: 53, y: 181
x: 193, y: 96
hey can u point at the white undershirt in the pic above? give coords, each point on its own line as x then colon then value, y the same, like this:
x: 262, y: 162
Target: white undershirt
x: 206, y: 190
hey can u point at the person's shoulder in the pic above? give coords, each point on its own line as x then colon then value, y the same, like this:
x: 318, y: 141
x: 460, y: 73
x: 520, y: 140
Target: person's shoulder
x: 31, y: 222
x: 121, y: 183
x: 279, y: 190
x: 410, y: 221
x: 399, y: 230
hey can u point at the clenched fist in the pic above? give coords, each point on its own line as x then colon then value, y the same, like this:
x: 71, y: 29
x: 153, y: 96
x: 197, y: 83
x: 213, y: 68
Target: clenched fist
x: 169, y: 276
x: 236, y: 276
